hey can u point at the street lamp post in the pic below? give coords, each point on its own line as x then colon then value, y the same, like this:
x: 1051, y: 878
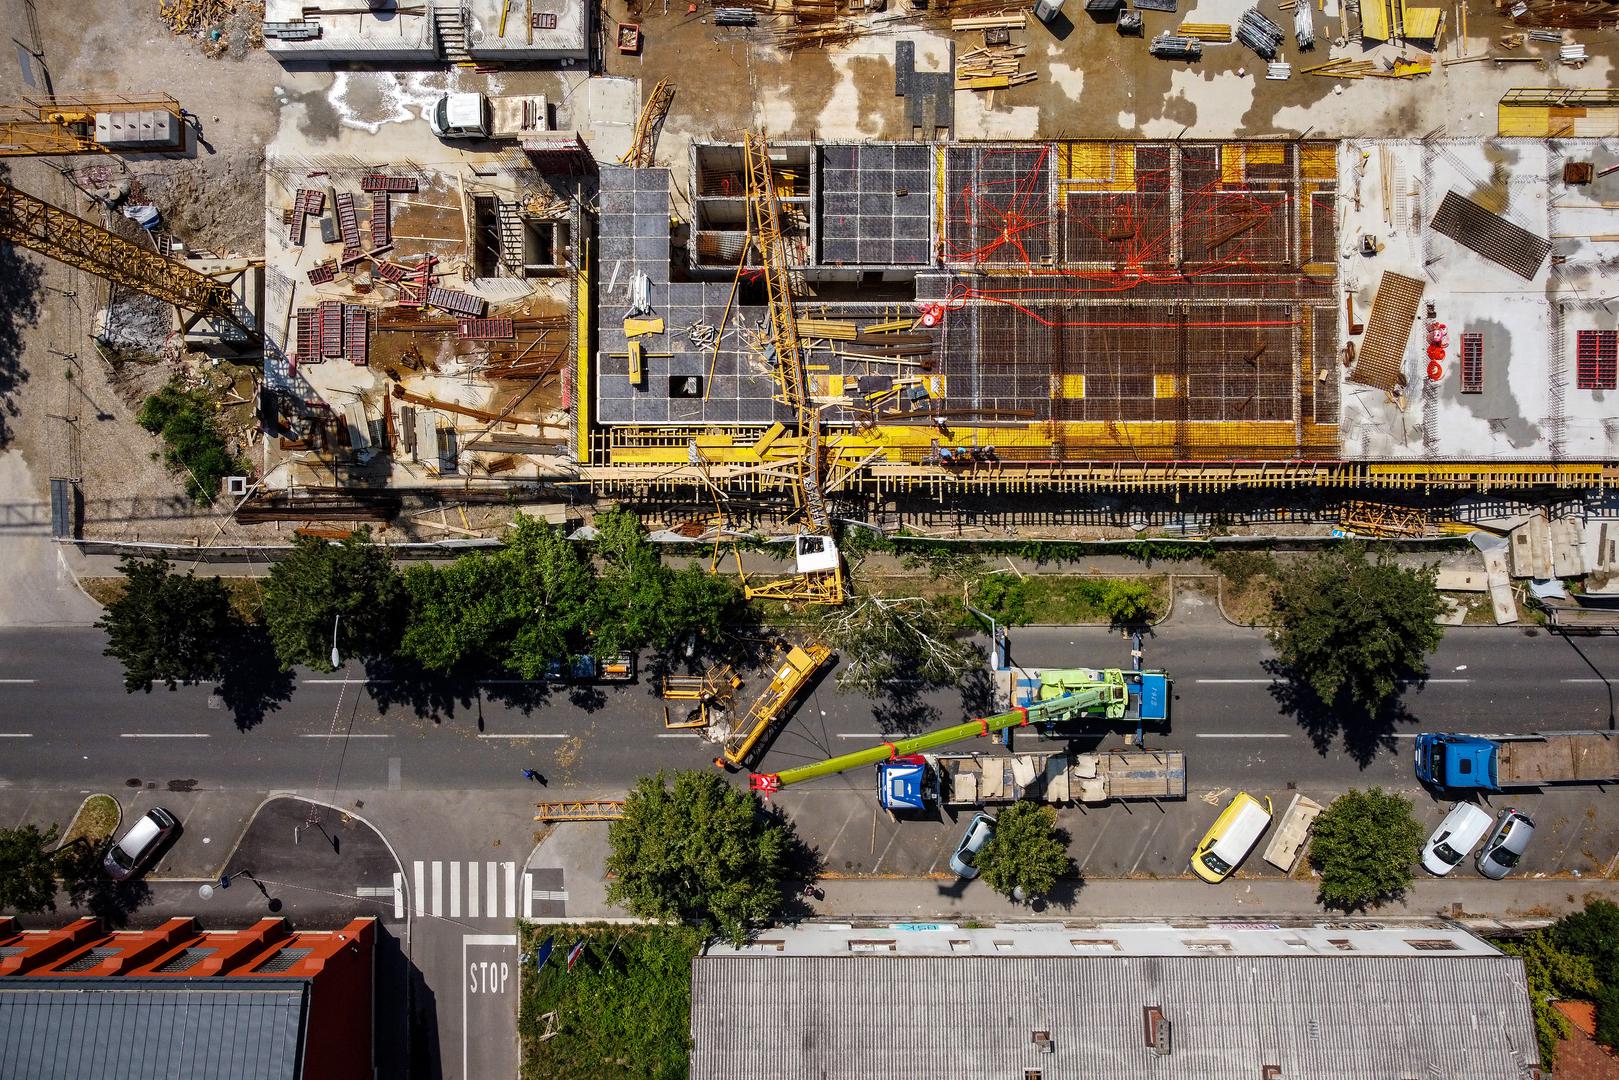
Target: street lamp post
x: 337, y: 659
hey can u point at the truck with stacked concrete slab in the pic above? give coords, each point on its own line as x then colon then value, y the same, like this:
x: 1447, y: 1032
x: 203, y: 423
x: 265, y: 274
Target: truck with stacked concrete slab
x: 1459, y: 762
x: 967, y: 780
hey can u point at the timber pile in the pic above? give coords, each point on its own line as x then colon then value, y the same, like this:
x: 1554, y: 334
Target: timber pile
x: 1348, y: 68
x: 992, y: 68
x: 817, y: 35
x: 190, y: 16
x: 1217, y: 33
x: 1566, y: 14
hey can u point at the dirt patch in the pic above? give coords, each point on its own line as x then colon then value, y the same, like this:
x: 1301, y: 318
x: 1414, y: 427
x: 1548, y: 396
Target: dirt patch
x: 95, y: 822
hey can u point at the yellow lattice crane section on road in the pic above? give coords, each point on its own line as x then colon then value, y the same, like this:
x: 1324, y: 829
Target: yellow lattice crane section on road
x: 38, y: 226
x: 60, y: 125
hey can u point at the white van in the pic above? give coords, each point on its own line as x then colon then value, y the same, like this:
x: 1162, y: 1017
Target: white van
x: 1233, y: 834
x: 1457, y: 835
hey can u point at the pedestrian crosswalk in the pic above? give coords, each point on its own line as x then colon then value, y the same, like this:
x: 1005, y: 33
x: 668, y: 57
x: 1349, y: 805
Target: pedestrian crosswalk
x: 473, y: 889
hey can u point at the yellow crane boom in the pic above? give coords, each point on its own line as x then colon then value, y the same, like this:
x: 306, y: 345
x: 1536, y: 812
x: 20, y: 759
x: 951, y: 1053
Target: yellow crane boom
x: 38, y: 226
x: 62, y: 125
x: 644, y: 143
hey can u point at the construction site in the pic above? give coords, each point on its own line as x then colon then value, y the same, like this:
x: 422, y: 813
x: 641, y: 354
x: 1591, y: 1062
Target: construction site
x: 512, y: 280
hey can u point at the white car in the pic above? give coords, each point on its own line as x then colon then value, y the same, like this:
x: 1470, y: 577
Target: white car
x: 1457, y: 835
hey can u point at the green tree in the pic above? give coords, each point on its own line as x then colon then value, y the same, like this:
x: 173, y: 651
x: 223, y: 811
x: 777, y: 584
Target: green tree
x: 883, y: 640
x: 1594, y: 933
x: 27, y: 869
x: 350, y: 586
x: 1363, y: 846
x: 693, y: 848
x: 631, y: 600
x: 165, y: 627
x: 702, y: 605
x: 187, y: 421
x: 1027, y: 853
x: 519, y: 608
x: 1127, y: 602
x: 1353, y: 629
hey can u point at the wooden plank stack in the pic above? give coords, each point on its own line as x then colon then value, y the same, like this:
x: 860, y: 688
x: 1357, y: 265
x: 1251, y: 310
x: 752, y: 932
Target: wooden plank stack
x: 992, y: 68
x: 1217, y: 33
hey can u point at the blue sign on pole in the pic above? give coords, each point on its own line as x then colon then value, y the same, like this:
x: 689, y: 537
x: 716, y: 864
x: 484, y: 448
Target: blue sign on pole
x: 544, y: 954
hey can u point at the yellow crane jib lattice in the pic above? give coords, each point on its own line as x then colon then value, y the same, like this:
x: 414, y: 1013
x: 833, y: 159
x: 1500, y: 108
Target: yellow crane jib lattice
x: 37, y: 225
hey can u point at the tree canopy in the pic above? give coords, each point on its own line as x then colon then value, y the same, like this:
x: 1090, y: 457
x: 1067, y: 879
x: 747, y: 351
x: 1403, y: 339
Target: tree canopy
x: 27, y: 869
x: 165, y: 627
x: 1363, y: 846
x: 1353, y: 629
x: 692, y: 847
x: 1026, y: 853
x: 885, y: 640
x: 1576, y: 957
x: 538, y: 599
x: 352, y: 584
x: 187, y: 421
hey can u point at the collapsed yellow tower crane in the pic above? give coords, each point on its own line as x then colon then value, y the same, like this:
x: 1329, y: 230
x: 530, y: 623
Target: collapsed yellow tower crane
x: 38, y: 226
x: 820, y: 576
x: 644, y: 144
x: 62, y: 125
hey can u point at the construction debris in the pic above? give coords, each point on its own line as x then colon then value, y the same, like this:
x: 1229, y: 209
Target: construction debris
x: 1259, y: 34
x: 1568, y: 14
x: 992, y: 68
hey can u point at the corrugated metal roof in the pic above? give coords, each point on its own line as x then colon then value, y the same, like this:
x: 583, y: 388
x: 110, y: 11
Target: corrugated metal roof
x: 151, y: 1029
x: 970, y: 1017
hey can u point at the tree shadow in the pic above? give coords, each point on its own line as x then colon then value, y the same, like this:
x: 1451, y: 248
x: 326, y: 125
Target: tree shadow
x: 803, y: 867
x: 431, y: 695
x: 21, y: 281
x: 978, y: 694
x: 1363, y: 733
x: 252, y: 682
x: 902, y: 709
x: 92, y: 891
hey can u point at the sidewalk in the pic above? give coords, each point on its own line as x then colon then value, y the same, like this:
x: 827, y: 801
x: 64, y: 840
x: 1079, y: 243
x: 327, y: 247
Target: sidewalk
x: 580, y: 849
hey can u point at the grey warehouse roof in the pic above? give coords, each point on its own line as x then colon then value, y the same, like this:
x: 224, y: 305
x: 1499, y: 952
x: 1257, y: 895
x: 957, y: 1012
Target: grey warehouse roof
x: 151, y: 1029
x: 970, y: 1017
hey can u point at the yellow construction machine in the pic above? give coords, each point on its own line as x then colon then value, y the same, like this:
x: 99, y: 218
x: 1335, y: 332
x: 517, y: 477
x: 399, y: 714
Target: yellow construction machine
x: 795, y: 668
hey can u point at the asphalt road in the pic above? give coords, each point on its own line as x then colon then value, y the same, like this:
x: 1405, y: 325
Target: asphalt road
x: 66, y: 721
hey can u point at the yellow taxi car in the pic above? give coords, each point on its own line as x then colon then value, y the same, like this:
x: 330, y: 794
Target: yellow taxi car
x: 1233, y: 834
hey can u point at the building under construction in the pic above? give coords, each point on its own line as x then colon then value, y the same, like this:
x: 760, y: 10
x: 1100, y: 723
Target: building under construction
x: 1085, y: 315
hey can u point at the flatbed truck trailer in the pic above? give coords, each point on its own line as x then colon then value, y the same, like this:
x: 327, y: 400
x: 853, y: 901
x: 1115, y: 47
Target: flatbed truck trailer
x: 1501, y: 762
x: 968, y: 780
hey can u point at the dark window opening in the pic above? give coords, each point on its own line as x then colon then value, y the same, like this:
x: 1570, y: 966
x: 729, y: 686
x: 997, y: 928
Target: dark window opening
x: 685, y: 386
x: 485, y: 236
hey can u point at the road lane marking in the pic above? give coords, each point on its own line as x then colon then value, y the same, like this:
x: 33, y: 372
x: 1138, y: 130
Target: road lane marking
x: 511, y: 889
x: 472, y: 890
x: 1233, y: 681
x: 1586, y: 680
x: 399, y: 895
x: 1243, y: 735
x: 491, y: 892
x: 1449, y: 680
x: 497, y: 735
x: 681, y: 735
x: 374, y: 890
x: 326, y: 735
x: 455, y: 890
x: 342, y: 682
x: 421, y: 893
x: 166, y: 735
x: 864, y: 735
x: 16, y: 735
x: 17, y: 682
x: 499, y: 940
x: 528, y: 895
x: 438, y: 888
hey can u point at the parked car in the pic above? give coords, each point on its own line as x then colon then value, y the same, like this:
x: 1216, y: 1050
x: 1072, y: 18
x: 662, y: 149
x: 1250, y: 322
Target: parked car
x: 979, y: 831
x: 1457, y: 835
x: 129, y: 856
x: 1231, y: 837
x: 1506, y: 843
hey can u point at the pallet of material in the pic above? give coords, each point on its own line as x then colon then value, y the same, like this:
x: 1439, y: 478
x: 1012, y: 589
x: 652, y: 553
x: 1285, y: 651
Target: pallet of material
x: 989, y: 22
x: 1212, y: 32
